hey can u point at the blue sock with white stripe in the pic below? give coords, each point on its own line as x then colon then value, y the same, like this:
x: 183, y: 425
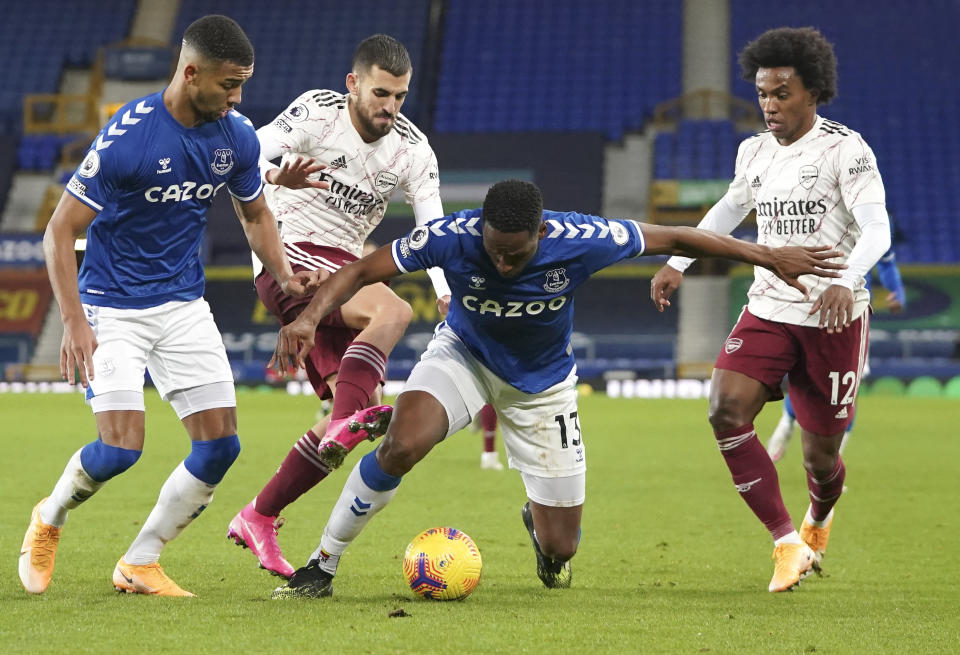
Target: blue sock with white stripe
x: 367, y: 490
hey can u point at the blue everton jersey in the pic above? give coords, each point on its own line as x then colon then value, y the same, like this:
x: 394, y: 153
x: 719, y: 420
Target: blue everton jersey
x: 151, y: 180
x: 519, y: 328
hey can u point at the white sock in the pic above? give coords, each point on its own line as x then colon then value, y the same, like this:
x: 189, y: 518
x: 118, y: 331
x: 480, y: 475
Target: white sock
x: 818, y: 524
x: 329, y: 561
x: 181, y: 500
x: 73, y: 487
x: 792, y: 538
x: 354, y: 509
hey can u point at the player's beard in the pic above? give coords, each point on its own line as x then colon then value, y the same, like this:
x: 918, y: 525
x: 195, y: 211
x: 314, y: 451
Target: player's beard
x: 378, y: 131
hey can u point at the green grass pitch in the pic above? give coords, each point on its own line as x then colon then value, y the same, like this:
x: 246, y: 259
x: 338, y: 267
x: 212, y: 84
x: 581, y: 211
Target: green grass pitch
x: 671, y: 560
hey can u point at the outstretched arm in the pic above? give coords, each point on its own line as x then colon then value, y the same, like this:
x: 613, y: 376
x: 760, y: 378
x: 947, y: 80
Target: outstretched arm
x: 787, y: 263
x: 296, y: 339
x: 261, y: 229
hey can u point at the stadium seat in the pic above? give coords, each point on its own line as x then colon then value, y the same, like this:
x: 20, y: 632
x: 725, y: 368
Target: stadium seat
x: 15, y: 348
x: 43, y: 36
x: 697, y: 150
x: 572, y: 71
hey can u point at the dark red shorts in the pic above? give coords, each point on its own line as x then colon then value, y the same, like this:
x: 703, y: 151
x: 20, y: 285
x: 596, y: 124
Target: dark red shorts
x: 333, y: 337
x: 823, y: 370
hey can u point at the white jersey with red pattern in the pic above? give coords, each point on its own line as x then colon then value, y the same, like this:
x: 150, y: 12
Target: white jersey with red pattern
x: 362, y: 176
x: 803, y: 194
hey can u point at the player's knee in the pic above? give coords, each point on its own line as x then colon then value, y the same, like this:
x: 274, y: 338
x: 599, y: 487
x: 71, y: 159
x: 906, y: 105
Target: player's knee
x: 726, y: 413
x: 397, y: 455
x: 820, y: 465
x: 102, y: 462
x: 209, y: 460
x: 396, y: 311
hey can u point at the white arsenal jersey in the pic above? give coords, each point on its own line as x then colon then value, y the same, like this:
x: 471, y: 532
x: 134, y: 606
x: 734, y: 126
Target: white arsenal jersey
x: 362, y: 176
x: 803, y: 194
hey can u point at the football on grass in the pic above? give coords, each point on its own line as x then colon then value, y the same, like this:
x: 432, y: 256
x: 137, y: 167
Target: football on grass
x: 442, y: 564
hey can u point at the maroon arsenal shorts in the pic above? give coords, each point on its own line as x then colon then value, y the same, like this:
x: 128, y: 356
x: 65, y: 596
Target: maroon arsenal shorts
x: 332, y: 337
x: 823, y: 369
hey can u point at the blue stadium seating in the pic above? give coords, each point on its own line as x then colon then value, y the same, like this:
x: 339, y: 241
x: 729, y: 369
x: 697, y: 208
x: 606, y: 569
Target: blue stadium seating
x: 41, y: 152
x: 15, y: 348
x: 561, y: 65
x: 895, y: 88
x: 40, y: 37
x: 697, y: 150
x: 302, y: 46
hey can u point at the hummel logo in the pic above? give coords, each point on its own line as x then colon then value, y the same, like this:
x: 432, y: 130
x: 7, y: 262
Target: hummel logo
x: 339, y: 162
x: 477, y: 282
x: 756, y: 183
x: 359, y: 508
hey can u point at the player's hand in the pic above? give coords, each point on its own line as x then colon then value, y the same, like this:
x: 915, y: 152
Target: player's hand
x: 303, y: 283
x: 893, y: 303
x: 76, y: 351
x: 294, y: 343
x: 836, y: 308
x: 294, y: 173
x: 663, y: 284
x: 443, y: 305
x: 790, y: 262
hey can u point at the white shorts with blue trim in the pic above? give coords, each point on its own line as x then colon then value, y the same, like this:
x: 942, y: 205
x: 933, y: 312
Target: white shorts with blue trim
x: 541, y: 431
x: 178, y: 342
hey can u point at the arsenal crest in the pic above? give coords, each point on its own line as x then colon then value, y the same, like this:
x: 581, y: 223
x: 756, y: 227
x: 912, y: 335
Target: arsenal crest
x: 808, y: 176
x: 385, y: 181
x: 732, y: 345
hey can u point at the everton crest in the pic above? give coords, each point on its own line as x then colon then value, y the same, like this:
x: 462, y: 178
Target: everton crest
x: 222, y: 161
x: 557, y: 280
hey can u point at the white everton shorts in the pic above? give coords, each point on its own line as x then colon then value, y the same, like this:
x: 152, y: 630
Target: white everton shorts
x: 178, y: 342
x: 541, y: 431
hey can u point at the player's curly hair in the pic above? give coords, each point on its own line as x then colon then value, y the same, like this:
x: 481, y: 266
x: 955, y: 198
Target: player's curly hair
x: 804, y: 48
x: 219, y: 38
x: 383, y: 51
x: 513, y: 206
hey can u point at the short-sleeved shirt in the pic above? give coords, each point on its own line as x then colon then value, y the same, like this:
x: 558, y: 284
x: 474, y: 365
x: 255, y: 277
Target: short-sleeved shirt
x: 362, y: 176
x: 804, y: 194
x: 151, y: 180
x: 519, y: 327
